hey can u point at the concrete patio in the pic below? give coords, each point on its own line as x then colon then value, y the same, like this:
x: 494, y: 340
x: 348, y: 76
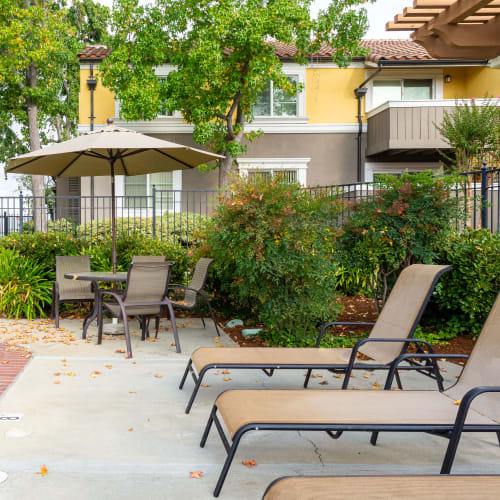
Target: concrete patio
x: 123, y: 433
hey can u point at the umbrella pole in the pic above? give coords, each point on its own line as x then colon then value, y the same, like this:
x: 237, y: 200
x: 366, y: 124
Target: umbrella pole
x: 113, y: 216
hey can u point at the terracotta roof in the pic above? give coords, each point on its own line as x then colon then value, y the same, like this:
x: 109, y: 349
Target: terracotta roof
x: 395, y: 50
x: 94, y: 52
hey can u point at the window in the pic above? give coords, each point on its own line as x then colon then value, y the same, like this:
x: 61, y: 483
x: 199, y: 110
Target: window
x: 138, y: 187
x: 287, y: 169
x: 276, y: 102
x: 286, y: 176
x: 163, y: 111
x: 398, y: 90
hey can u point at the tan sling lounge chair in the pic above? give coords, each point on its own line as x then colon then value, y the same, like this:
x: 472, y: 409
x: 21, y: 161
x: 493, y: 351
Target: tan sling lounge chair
x: 390, y: 336
x: 383, y: 487
x: 448, y: 413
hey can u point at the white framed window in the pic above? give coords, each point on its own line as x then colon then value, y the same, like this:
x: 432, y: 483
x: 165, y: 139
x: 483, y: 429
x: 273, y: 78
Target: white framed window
x: 289, y: 169
x: 375, y: 169
x: 135, y: 191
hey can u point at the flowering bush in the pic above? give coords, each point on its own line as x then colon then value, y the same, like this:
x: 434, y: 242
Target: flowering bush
x: 404, y: 223
x: 273, y: 248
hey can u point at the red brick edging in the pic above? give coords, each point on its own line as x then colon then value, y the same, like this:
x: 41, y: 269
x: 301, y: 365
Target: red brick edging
x: 13, y: 359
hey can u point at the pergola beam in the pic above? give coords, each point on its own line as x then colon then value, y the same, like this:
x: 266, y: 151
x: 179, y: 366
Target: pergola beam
x: 477, y: 36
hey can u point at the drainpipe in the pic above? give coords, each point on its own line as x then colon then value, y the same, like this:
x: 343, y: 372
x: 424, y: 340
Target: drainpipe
x: 360, y: 92
x: 91, y: 84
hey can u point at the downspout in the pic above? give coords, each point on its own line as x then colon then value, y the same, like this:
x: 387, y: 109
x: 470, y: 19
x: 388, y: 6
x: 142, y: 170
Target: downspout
x: 360, y: 92
x: 91, y: 84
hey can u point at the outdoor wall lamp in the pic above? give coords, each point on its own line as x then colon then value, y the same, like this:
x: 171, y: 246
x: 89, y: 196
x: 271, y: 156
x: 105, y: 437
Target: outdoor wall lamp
x: 447, y: 78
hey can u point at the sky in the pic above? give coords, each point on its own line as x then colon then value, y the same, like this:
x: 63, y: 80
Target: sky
x: 378, y: 14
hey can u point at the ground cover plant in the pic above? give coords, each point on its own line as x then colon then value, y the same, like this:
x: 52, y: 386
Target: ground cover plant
x: 273, y: 247
x: 405, y: 222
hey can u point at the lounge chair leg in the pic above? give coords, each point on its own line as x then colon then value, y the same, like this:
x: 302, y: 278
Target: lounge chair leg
x: 183, y: 380
x: 373, y: 439
x: 335, y: 435
x: 450, y: 452
x: 498, y: 437
x: 57, y: 312
x: 437, y: 374
x: 203, y: 321
x: 147, y: 321
x: 157, y: 325
x: 142, y: 324
x: 398, y: 381
x: 308, y: 376
x: 206, y: 432
x: 227, y: 464
x: 99, y: 325
x: 174, y: 327
x: 195, y: 391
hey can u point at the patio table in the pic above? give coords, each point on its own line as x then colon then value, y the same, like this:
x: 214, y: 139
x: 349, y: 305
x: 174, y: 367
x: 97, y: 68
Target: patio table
x: 96, y: 277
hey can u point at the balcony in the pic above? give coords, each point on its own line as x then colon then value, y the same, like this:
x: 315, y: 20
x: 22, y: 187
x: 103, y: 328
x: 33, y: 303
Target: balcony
x: 406, y: 127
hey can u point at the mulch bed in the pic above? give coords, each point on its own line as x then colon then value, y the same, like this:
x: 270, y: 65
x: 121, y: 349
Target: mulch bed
x: 13, y: 359
x: 359, y: 309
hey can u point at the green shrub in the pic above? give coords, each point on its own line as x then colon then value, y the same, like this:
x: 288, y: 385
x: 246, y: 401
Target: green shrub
x: 24, y: 286
x: 273, y: 247
x: 403, y: 224
x: 66, y: 226
x: 464, y: 296
x: 174, y: 228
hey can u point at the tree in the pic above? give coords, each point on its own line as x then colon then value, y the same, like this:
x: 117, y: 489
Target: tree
x: 39, y: 80
x: 223, y: 56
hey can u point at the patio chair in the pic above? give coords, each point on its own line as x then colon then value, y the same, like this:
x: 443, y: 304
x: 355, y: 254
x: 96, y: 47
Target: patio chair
x: 389, y: 337
x: 471, y: 405
x: 72, y: 291
x: 460, y: 487
x: 144, y: 296
x: 195, y: 290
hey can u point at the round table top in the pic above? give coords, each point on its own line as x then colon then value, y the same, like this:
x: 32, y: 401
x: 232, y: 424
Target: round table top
x: 119, y: 277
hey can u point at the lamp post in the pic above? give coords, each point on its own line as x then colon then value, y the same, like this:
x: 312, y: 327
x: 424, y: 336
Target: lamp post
x: 91, y: 84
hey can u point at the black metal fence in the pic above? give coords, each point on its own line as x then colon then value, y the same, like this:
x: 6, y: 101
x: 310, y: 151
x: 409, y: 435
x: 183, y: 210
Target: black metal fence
x: 176, y: 215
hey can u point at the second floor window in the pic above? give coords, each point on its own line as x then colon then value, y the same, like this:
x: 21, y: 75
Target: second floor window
x: 401, y: 90
x: 274, y: 101
x: 138, y: 187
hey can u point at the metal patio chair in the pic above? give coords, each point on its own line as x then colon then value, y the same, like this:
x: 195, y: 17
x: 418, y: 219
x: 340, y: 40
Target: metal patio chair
x: 390, y: 336
x: 143, y: 297
x: 195, y: 290
x: 72, y: 291
x: 471, y: 405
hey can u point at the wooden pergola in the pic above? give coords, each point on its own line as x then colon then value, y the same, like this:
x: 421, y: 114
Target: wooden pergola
x: 453, y: 29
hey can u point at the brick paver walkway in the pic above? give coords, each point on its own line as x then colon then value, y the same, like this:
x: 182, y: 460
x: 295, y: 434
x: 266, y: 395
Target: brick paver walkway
x: 13, y: 359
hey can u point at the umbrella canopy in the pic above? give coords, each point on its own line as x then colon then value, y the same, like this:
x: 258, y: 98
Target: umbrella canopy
x: 109, y: 151
x: 92, y: 154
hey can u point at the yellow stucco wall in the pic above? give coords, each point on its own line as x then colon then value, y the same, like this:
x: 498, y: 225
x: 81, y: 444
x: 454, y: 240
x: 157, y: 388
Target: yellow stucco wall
x: 457, y: 87
x: 482, y: 81
x: 330, y: 94
x: 104, y: 102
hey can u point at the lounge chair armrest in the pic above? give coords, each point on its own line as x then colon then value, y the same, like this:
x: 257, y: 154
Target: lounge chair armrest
x: 335, y: 323
x: 421, y: 355
x: 466, y: 401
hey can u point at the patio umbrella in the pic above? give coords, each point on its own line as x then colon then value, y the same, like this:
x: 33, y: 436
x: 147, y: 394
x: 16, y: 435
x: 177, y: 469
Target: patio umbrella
x: 109, y: 151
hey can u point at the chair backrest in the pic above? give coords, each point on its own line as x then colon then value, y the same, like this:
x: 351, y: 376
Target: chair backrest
x: 483, y: 367
x: 147, y: 282
x: 72, y: 289
x: 402, y: 310
x: 136, y: 259
x: 199, y: 280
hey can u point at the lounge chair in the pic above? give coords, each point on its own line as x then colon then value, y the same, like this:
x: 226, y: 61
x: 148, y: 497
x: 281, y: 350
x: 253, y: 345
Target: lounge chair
x: 194, y: 290
x: 389, y: 337
x: 73, y: 291
x: 144, y: 296
x: 448, y: 413
x: 460, y: 487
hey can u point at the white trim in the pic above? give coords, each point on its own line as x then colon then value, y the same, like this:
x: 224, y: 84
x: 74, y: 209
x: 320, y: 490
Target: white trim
x: 434, y: 74
x: 275, y: 164
x: 426, y: 103
x: 397, y: 167
x: 494, y: 63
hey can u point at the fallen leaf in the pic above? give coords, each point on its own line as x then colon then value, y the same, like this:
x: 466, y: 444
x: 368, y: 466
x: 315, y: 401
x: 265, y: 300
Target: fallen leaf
x: 216, y: 373
x: 57, y: 374
x: 249, y: 463
x: 196, y: 474
x: 120, y: 351
x: 225, y: 372
x: 132, y: 392
x: 63, y: 360
x: 205, y: 385
x: 109, y: 366
x: 216, y: 339
x: 325, y: 382
x: 158, y: 375
x: 94, y: 374
x: 70, y: 374
x: 43, y: 470
x: 457, y: 402
x: 5, y: 362
x: 133, y: 362
x: 130, y: 429
x: 220, y: 345
x: 366, y: 376
x: 57, y: 381
x: 226, y: 379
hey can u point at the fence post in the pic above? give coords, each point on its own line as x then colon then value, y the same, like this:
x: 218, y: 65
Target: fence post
x: 21, y: 218
x: 484, y: 195
x: 5, y: 224
x: 154, y: 211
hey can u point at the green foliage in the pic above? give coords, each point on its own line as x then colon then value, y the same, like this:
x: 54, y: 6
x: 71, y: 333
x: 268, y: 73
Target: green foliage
x: 223, y: 58
x: 464, y: 297
x: 182, y: 228
x: 24, y: 286
x: 404, y: 223
x: 473, y: 132
x: 273, y: 246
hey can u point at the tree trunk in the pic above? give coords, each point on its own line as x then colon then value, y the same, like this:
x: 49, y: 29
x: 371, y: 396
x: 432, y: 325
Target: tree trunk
x: 37, y: 181
x: 226, y: 170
